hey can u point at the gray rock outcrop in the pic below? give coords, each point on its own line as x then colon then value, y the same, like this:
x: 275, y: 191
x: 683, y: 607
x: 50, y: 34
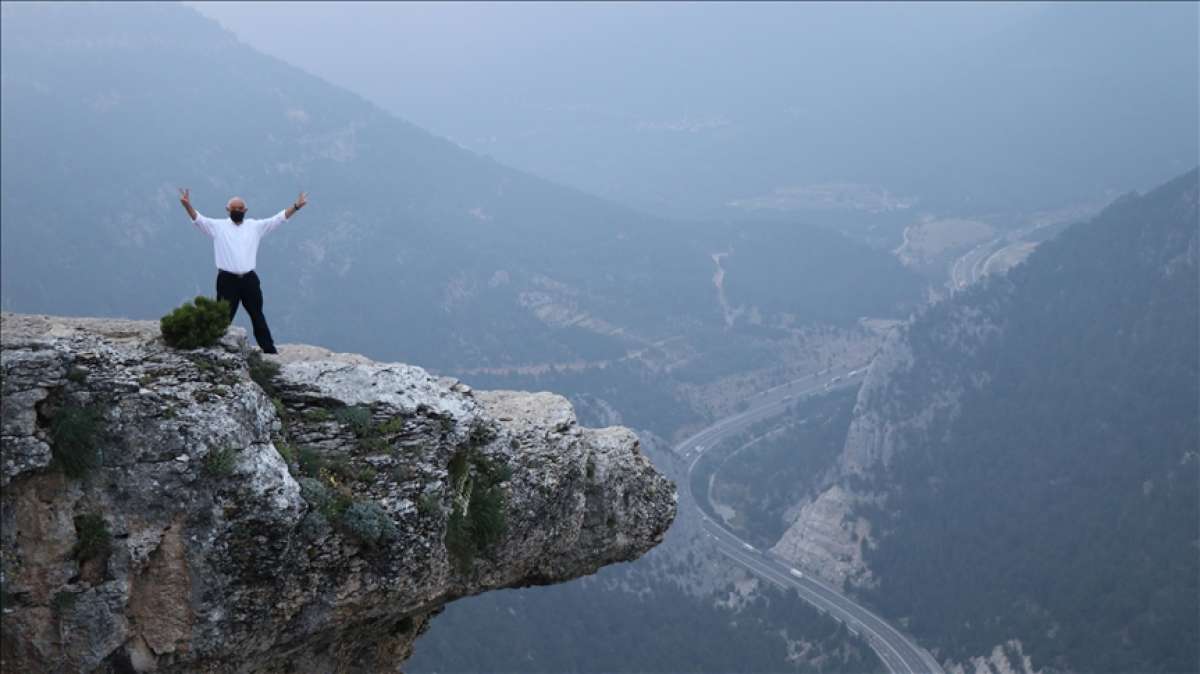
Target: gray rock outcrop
x: 162, y: 511
x: 905, y: 392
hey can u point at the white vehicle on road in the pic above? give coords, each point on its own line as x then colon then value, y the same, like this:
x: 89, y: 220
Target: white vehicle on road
x: 749, y: 547
x: 796, y: 573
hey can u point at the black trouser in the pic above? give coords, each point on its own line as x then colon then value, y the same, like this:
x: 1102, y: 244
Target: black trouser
x: 245, y: 289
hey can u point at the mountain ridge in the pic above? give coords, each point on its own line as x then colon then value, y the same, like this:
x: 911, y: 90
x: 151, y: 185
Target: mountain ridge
x: 1054, y: 408
x: 406, y: 233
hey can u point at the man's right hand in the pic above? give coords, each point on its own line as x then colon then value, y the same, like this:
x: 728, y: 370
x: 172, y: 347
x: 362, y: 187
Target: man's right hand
x: 185, y: 198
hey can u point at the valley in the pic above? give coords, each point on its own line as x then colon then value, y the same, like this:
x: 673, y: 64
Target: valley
x: 909, y: 323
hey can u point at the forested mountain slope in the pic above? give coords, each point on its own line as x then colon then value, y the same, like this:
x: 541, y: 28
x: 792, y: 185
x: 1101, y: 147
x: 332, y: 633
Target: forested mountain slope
x: 1025, y: 455
x: 412, y: 247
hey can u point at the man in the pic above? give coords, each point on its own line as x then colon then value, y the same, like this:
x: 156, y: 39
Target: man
x: 235, y: 245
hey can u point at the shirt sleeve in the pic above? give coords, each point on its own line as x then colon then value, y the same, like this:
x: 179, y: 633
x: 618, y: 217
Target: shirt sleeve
x: 204, y: 224
x: 272, y: 222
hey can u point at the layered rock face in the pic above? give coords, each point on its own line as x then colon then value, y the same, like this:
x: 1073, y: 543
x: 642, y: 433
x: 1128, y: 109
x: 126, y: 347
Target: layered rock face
x: 902, y: 396
x: 162, y: 511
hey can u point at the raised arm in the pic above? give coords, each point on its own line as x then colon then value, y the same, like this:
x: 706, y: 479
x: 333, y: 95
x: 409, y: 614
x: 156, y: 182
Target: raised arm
x: 279, y: 218
x: 185, y: 198
x: 299, y: 203
x: 202, y: 223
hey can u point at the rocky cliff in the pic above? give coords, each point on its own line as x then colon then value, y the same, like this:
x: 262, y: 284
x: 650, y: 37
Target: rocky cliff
x: 910, y: 387
x: 215, y: 511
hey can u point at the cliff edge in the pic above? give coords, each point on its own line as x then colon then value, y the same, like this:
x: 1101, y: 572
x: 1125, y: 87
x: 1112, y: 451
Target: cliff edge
x: 217, y: 511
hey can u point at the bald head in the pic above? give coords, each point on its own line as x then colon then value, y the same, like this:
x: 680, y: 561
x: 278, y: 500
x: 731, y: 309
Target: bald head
x: 237, y: 209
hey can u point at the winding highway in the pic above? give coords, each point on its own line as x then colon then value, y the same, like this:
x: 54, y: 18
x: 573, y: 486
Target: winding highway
x: 898, y: 652
x: 970, y: 267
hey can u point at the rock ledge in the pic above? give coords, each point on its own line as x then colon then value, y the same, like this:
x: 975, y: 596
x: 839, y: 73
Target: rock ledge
x: 251, y: 530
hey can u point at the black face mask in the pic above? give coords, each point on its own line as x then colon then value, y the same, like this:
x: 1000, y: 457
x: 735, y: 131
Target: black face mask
x: 237, y: 216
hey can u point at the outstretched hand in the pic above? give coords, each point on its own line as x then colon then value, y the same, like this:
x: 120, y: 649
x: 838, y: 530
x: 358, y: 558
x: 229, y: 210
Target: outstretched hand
x: 185, y: 198
x: 301, y: 201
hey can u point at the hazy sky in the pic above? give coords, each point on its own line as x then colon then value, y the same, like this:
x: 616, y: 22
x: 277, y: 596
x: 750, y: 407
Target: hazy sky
x: 680, y: 107
x: 409, y: 53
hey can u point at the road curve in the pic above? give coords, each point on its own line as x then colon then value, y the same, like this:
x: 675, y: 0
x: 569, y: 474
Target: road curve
x: 898, y: 652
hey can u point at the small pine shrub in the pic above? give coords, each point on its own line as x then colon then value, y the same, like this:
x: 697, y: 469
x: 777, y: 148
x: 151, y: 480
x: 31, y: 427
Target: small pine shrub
x: 317, y: 414
x: 203, y: 364
x: 314, y: 526
x: 288, y: 452
x: 220, y: 462
x: 263, y: 372
x: 481, y: 434
x: 429, y: 505
x: 487, y: 516
x: 94, y: 538
x: 369, y: 523
x: 309, y: 461
x: 339, y: 467
x: 458, y: 467
x: 313, y: 492
x: 459, y: 543
x: 330, y: 503
x: 195, y: 324
x: 481, y: 524
x: 75, y: 440
x: 62, y: 602
x: 356, y: 417
x: 374, y: 444
x: 391, y: 426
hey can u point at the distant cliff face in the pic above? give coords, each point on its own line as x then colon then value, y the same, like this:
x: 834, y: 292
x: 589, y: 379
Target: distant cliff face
x: 1026, y: 451
x: 909, y: 390
x: 163, y: 512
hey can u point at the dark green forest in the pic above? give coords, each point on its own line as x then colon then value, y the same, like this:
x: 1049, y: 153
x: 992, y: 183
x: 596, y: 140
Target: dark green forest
x: 1061, y: 505
x: 762, y: 480
x: 595, y: 625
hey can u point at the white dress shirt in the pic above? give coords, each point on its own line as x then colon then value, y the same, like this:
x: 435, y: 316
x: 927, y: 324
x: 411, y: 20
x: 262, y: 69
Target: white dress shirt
x: 236, y: 246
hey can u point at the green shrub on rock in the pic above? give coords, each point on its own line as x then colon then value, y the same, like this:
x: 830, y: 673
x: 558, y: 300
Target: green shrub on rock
x: 195, y: 324
x: 369, y: 523
x: 313, y: 492
x: 94, y: 537
x: 263, y: 372
x: 330, y: 503
x: 478, y: 520
x: 356, y: 417
x: 314, y: 526
x: 63, y: 602
x: 220, y: 462
x: 75, y: 435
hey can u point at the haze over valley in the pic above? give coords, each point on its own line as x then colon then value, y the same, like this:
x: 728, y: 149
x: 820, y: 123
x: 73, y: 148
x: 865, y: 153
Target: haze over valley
x: 901, y: 298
